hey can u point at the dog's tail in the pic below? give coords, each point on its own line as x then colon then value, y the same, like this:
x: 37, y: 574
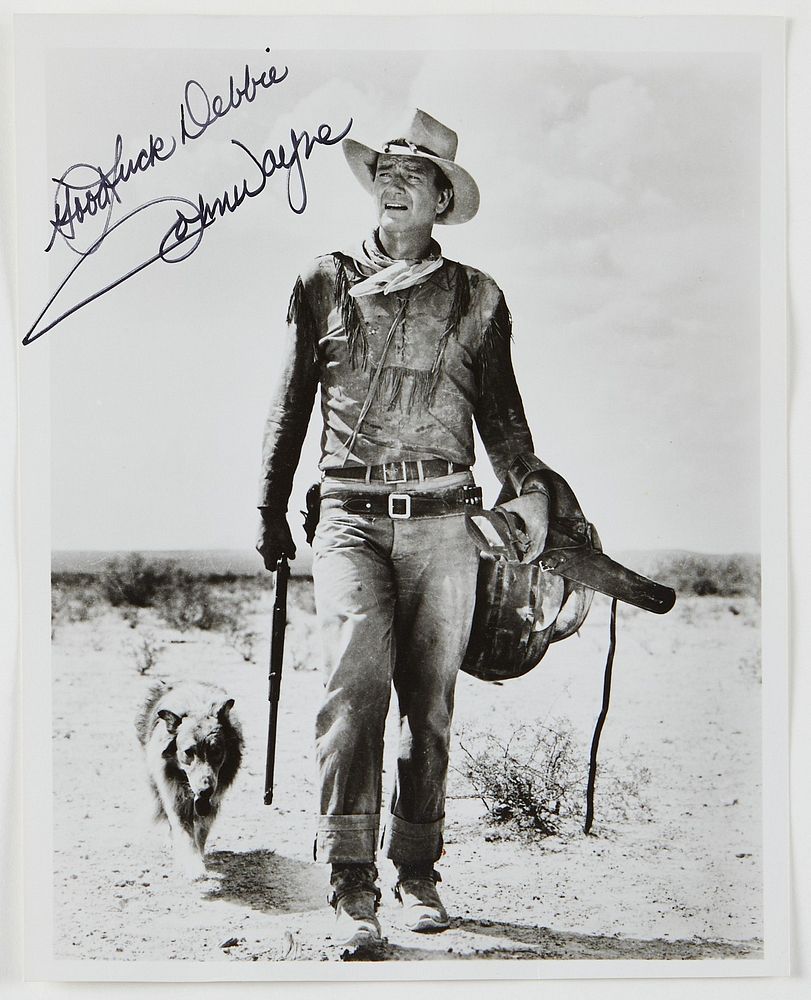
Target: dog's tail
x: 145, y: 719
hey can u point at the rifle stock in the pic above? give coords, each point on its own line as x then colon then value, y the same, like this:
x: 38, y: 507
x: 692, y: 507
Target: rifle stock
x: 278, y: 626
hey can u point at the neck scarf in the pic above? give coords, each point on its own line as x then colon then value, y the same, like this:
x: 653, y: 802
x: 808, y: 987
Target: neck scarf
x: 391, y: 275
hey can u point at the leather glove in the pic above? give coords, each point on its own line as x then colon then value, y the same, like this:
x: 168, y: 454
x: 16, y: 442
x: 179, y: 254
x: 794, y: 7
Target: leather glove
x: 274, y: 539
x: 531, y: 511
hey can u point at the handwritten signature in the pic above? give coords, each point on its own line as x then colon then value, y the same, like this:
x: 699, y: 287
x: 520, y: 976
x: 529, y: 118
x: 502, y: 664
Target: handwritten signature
x: 198, y: 109
x: 75, y: 201
x: 85, y: 191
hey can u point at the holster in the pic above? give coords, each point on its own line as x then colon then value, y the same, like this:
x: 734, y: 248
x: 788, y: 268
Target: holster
x: 312, y: 503
x: 570, y: 553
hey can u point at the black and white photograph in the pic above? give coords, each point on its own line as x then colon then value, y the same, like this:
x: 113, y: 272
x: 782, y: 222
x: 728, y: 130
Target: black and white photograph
x: 402, y: 497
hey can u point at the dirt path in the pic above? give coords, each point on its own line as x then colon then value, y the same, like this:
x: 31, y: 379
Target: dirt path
x: 673, y: 871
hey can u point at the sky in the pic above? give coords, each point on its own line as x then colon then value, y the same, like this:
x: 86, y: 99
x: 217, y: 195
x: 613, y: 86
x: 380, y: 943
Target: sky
x: 620, y: 215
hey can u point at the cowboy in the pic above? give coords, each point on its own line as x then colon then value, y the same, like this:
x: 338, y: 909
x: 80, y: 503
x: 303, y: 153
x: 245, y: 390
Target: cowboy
x: 409, y: 349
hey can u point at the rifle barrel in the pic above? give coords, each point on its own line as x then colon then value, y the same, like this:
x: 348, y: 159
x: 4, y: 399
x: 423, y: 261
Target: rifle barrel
x: 270, y: 763
x: 279, y: 623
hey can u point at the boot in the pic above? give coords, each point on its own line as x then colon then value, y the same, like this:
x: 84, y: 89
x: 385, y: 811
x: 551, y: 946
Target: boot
x: 355, y: 898
x: 416, y: 892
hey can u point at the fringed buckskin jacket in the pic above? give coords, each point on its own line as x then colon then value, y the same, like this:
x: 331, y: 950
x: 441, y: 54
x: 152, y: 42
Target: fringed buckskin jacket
x: 448, y: 363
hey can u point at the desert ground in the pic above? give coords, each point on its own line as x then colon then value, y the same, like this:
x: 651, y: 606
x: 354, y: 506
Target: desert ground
x: 672, y: 868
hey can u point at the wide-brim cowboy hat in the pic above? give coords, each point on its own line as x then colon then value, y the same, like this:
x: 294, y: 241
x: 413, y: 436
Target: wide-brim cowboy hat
x: 427, y: 139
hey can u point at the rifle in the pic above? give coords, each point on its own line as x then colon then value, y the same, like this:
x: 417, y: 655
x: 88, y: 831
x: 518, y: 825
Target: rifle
x: 275, y: 672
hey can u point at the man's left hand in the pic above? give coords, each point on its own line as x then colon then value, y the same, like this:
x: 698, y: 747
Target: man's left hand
x: 533, y: 510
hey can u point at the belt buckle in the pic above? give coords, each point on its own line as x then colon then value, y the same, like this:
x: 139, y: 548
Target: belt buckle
x: 400, y: 498
x: 393, y: 465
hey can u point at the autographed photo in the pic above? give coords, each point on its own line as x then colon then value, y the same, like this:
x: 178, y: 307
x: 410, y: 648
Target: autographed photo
x: 496, y: 304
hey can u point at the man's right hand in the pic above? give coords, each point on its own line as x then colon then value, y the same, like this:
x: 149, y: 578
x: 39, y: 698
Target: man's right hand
x: 274, y: 540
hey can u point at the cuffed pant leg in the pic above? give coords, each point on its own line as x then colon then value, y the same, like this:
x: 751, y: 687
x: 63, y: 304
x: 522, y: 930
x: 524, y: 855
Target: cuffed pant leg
x: 343, y: 839
x: 354, y: 594
x: 406, y: 842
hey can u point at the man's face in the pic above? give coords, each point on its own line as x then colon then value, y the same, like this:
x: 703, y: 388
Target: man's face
x: 406, y: 193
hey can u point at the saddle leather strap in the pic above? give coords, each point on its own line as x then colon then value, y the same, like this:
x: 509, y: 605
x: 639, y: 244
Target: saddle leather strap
x: 595, y: 740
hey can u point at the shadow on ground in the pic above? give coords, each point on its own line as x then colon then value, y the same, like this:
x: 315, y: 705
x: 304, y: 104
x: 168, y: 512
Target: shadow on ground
x: 268, y: 882
x: 522, y: 941
x: 548, y: 943
x: 274, y: 884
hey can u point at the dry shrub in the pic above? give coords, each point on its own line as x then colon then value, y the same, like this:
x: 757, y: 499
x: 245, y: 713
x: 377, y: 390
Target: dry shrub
x: 73, y: 601
x: 132, y: 616
x: 531, y: 780
x: 146, y: 651
x: 705, y: 575
x: 243, y: 641
x: 133, y: 580
x: 536, y: 779
x: 186, y: 601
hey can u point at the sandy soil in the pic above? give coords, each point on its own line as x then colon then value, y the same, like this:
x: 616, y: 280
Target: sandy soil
x: 674, y: 873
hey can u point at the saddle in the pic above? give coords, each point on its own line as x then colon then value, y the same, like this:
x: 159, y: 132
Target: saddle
x: 523, y: 607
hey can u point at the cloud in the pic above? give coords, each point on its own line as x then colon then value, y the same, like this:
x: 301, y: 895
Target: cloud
x: 615, y: 129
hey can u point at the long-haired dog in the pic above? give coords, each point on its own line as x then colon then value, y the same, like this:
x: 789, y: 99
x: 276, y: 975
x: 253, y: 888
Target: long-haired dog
x: 193, y: 749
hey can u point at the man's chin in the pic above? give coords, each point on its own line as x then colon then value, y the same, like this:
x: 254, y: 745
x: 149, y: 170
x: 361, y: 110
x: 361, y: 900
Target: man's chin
x: 395, y: 221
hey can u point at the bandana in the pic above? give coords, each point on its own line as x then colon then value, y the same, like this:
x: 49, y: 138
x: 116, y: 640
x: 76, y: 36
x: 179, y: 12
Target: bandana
x: 391, y: 275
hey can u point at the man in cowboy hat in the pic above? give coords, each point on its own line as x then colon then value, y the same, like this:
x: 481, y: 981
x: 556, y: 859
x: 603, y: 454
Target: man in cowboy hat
x: 409, y: 348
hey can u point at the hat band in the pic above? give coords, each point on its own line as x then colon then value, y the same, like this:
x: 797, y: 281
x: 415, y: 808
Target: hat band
x: 409, y: 145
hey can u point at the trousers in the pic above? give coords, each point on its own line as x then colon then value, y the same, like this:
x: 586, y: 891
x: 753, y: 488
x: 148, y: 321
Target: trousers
x: 394, y: 600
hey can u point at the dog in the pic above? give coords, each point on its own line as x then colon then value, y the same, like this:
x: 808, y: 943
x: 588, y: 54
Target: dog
x: 193, y: 748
